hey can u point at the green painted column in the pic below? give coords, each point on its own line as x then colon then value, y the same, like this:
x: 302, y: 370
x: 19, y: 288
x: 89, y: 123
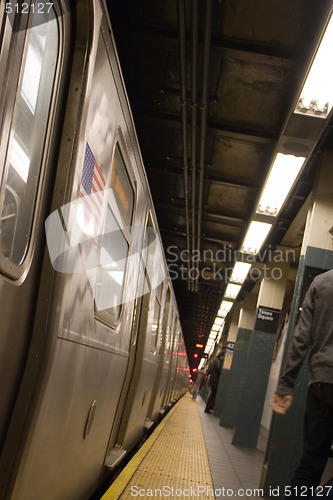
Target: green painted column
x: 232, y: 394
x: 269, y: 304
x: 225, y: 377
x: 284, y: 447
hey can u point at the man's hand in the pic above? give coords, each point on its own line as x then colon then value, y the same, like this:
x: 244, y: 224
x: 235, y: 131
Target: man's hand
x: 281, y: 403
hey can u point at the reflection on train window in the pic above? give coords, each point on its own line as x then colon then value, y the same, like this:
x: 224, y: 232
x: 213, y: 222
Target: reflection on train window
x: 122, y: 188
x: 115, y: 244
x: 112, y: 268
x: 27, y: 135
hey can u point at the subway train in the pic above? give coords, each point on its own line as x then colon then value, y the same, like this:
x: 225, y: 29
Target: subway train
x: 91, y: 347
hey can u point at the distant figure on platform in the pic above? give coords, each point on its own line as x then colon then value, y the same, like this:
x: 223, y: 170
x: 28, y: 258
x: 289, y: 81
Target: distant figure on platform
x: 214, y: 371
x: 199, y: 383
x: 314, y: 336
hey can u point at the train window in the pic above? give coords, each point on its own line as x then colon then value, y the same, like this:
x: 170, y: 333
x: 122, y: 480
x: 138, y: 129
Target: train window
x: 156, y: 317
x: 115, y: 244
x: 112, y: 268
x: 27, y: 135
x: 122, y: 188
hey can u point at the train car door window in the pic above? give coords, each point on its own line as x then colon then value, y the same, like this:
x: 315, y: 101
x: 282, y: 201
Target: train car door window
x: 115, y: 246
x: 122, y: 188
x: 25, y: 141
x: 156, y: 318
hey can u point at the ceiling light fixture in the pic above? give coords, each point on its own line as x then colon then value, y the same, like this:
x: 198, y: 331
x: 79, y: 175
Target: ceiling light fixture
x: 255, y: 237
x: 240, y: 271
x: 232, y: 291
x: 316, y: 97
x: 281, y: 178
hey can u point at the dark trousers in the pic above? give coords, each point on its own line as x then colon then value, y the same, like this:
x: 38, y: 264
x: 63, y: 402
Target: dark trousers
x: 211, y: 399
x: 317, y: 439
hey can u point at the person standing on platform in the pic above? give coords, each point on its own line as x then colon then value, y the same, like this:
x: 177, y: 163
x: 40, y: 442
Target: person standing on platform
x: 199, y: 383
x: 214, y: 371
x: 314, y: 336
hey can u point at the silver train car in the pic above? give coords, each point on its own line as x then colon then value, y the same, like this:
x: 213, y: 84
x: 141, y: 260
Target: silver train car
x: 91, y: 347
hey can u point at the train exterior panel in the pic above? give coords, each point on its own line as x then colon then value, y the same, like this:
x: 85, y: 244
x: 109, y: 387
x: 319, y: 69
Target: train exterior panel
x: 91, y: 345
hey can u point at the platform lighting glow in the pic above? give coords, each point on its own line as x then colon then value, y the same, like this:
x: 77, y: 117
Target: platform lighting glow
x: 202, y: 361
x: 218, y: 321
x: 281, y: 178
x: 215, y: 328
x: 232, y: 291
x: 255, y: 237
x: 209, y: 349
x: 219, y: 337
x: 240, y: 272
x: 225, y: 307
x: 317, y: 93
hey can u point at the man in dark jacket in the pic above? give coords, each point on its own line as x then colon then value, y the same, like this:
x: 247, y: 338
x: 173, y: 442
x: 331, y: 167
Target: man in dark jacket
x: 214, y: 371
x: 313, y: 335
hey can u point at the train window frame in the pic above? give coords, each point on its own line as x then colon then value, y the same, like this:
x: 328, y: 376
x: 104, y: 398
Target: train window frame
x: 155, y: 300
x: 119, y: 147
x: 155, y: 331
x: 18, y: 44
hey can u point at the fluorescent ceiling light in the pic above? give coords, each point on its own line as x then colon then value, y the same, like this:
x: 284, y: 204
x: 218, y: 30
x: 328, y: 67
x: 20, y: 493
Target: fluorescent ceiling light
x: 317, y: 94
x: 215, y: 327
x: 232, y: 291
x: 218, y: 321
x: 255, y: 237
x: 201, y: 363
x: 218, y: 338
x: 240, y: 272
x: 225, y: 307
x: 280, y: 180
x: 209, y: 349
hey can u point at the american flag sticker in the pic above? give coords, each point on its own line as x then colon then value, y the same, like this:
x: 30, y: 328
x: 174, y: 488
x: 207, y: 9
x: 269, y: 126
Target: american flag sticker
x: 92, y: 195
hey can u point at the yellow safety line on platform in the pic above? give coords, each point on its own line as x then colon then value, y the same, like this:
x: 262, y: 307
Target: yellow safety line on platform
x: 172, y: 463
x: 124, y: 477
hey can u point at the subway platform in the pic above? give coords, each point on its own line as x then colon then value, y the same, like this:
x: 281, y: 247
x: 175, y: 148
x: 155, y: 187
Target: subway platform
x: 189, y: 455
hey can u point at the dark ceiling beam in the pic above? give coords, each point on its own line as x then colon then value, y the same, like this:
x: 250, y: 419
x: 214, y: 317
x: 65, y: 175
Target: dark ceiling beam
x: 252, y: 133
x: 177, y: 168
x: 250, y: 47
x: 206, y: 237
x: 178, y: 205
x: 230, y: 183
x: 254, y: 47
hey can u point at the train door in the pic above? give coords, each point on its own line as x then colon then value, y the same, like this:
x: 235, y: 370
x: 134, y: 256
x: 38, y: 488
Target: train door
x: 169, y: 360
x: 144, y: 353
x: 32, y: 60
x: 157, y: 393
x: 170, y: 397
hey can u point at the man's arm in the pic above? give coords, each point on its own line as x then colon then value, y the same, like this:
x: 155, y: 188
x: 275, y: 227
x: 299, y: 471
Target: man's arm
x: 297, y: 352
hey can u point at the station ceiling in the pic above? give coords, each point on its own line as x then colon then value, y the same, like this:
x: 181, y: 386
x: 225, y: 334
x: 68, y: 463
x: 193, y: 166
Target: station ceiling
x: 211, y: 84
